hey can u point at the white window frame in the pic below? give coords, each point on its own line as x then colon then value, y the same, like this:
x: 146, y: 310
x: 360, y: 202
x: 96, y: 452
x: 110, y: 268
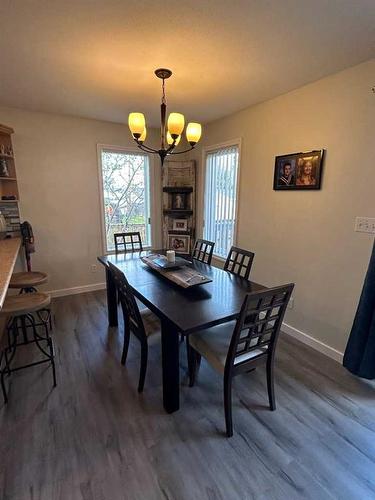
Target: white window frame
x: 209, y: 149
x: 122, y: 149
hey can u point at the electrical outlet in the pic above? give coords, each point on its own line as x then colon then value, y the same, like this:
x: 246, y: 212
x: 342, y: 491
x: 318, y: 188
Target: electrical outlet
x: 94, y: 268
x: 291, y: 303
x: 364, y: 225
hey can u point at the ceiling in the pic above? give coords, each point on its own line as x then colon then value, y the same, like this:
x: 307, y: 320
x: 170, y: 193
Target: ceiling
x: 95, y: 58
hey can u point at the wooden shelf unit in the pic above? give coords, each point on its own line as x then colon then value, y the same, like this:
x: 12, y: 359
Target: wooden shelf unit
x: 178, y: 189
x: 177, y: 212
x: 8, y: 184
x: 178, y: 177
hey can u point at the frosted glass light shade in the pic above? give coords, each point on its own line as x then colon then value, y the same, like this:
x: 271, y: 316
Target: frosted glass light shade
x: 193, y: 132
x: 170, y: 139
x: 136, y: 123
x: 143, y: 135
x: 176, y: 123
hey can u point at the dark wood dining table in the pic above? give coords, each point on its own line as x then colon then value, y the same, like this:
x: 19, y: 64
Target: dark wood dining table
x: 181, y: 310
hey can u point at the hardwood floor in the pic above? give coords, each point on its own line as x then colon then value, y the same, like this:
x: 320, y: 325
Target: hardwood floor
x: 95, y: 438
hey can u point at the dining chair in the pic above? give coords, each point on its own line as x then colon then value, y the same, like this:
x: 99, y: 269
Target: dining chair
x: 239, y: 262
x: 203, y: 250
x: 130, y: 241
x: 239, y: 346
x: 143, y: 324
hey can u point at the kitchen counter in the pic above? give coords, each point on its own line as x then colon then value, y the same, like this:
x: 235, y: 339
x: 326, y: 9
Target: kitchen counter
x: 9, y: 249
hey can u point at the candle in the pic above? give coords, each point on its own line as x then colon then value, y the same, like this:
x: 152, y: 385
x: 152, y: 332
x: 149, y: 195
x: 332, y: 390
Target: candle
x: 171, y: 256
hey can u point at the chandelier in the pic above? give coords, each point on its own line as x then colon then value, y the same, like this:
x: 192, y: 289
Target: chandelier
x: 170, y: 132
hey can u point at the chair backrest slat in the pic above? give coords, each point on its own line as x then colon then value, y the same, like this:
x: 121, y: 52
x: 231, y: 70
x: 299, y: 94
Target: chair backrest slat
x: 258, y: 325
x: 128, y: 242
x: 239, y: 262
x: 203, y: 251
x: 128, y: 303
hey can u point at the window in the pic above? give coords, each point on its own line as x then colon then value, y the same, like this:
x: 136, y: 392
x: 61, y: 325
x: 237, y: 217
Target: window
x: 220, y: 198
x: 125, y: 182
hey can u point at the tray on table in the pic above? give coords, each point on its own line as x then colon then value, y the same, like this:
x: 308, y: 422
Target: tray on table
x: 180, y: 272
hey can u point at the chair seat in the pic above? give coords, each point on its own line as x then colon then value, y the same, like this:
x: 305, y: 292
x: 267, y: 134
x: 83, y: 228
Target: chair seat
x: 213, y: 344
x: 16, y: 305
x: 151, y: 323
x: 27, y: 279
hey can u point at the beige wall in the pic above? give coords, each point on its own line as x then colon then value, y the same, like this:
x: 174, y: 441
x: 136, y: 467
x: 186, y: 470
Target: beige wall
x: 308, y: 237
x: 57, y: 169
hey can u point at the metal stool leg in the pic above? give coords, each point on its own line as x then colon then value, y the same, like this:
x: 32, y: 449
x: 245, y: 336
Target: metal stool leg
x: 32, y: 289
x: 24, y: 329
x: 12, y: 328
x: 5, y: 396
x: 52, y: 352
x: 22, y: 323
x: 38, y: 338
x: 12, y: 344
x: 46, y: 324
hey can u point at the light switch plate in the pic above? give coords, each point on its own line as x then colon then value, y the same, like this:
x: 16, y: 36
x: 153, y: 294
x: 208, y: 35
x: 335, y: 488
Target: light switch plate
x: 364, y: 225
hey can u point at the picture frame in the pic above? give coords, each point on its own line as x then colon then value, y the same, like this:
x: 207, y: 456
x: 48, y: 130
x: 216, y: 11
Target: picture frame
x: 180, y: 243
x: 4, y: 172
x: 298, y: 171
x: 179, y: 225
x: 179, y: 201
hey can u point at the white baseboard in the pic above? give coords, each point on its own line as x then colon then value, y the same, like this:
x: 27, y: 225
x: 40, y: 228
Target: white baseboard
x: 77, y: 289
x: 314, y: 343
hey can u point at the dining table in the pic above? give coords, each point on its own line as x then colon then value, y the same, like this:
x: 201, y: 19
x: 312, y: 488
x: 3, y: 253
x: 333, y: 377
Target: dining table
x: 180, y: 310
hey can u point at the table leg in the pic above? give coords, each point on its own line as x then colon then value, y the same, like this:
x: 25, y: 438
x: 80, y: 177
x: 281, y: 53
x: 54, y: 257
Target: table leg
x: 111, y: 299
x: 171, y: 367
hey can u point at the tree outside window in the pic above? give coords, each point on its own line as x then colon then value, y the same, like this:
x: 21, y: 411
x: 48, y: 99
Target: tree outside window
x: 125, y: 180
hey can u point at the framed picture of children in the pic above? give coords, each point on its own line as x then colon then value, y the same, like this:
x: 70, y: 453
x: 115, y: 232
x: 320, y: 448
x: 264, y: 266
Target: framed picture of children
x: 179, y: 243
x: 298, y: 171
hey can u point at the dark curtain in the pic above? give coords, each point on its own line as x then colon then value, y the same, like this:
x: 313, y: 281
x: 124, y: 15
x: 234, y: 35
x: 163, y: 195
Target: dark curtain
x: 359, y: 355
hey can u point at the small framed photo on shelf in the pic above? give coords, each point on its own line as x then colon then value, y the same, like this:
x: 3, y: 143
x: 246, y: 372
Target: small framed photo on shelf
x: 179, y: 201
x: 179, y: 243
x: 298, y: 171
x: 4, y: 172
x: 180, y: 225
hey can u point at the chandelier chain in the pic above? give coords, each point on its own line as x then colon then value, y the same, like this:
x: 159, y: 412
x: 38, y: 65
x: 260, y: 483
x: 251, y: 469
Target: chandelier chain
x: 163, y: 99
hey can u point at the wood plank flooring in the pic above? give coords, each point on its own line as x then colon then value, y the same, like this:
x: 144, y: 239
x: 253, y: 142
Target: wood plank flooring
x: 95, y: 438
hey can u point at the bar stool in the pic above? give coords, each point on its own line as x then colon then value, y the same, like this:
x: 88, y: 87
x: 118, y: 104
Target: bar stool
x: 20, y: 308
x: 28, y: 281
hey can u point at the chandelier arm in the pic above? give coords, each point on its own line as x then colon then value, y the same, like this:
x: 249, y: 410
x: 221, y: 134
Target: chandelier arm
x: 180, y: 152
x: 171, y: 147
x: 146, y: 148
